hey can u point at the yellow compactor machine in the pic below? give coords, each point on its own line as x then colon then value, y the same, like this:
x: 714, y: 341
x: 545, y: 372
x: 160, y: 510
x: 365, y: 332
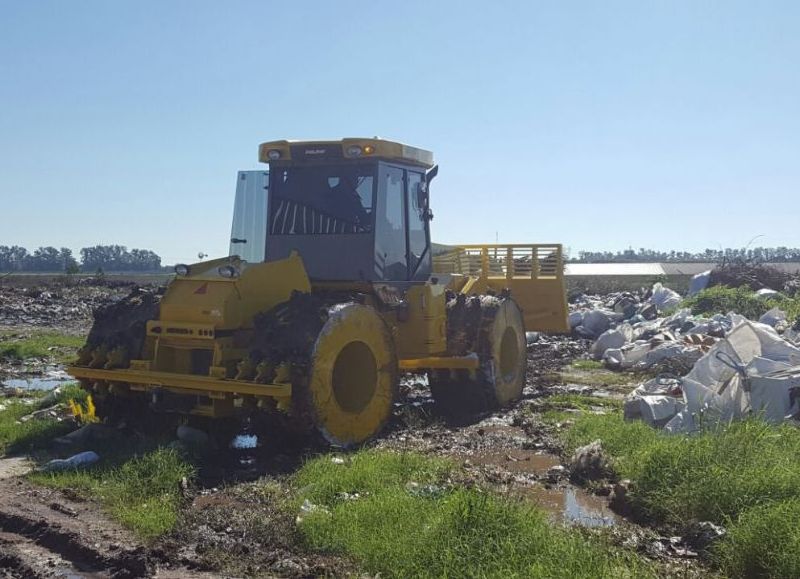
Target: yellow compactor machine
x: 331, y: 291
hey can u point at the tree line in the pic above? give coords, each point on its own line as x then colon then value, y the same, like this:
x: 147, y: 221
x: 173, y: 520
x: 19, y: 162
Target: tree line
x: 756, y: 254
x: 105, y: 258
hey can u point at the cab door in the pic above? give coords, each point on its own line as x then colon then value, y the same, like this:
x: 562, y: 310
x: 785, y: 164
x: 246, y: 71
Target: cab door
x: 249, y: 229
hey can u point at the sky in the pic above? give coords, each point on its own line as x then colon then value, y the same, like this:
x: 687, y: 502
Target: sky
x: 599, y: 125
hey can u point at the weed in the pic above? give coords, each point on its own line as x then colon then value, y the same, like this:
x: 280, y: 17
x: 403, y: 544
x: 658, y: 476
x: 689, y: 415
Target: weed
x: 742, y: 300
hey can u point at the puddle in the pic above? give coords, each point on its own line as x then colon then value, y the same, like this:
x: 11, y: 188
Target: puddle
x: 572, y: 505
x: 47, y: 381
x: 515, y: 460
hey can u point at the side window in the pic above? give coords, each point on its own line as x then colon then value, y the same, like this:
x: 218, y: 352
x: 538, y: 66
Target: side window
x: 417, y: 241
x: 392, y: 237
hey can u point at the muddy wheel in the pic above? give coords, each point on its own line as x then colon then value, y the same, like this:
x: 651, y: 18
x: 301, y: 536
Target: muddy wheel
x: 499, y: 341
x: 351, y: 384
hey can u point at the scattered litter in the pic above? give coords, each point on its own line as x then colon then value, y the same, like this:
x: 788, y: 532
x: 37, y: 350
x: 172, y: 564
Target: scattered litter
x: 702, y: 535
x: 57, y: 412
x: 64, y: 509
x: 556, y: 473
x: 429, y: 491
x: 664, y: 298
x: 699, y: 282
x: 775, y: 318
x: 309, y: 508
x: 337, y: 460
x: 765, y: 293
x: 80, y: 460
x: 590, y: 463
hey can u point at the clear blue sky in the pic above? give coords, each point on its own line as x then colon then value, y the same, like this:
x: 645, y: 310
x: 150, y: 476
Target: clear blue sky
x: 601, y: 125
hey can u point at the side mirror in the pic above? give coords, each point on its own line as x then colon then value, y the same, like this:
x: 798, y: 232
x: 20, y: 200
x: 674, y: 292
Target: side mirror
x: 422, y: 195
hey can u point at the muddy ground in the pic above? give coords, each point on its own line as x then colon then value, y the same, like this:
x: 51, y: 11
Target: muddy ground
x: 232, y: 526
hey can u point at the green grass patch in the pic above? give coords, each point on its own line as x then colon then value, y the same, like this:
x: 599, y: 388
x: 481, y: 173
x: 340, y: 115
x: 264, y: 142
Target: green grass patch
x: 19, y: 437
x: 397, y: 530
x: 140, y: 491
x: 743, y: 476
x: 581, y: 402
x: 742, y: 300
x: 60, y: 347
x: 764, y: 542
x: 587, y: 364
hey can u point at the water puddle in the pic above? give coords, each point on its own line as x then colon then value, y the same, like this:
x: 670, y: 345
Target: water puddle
x: 571, y: 505
x: 50, y: 379
x: 515, y: 460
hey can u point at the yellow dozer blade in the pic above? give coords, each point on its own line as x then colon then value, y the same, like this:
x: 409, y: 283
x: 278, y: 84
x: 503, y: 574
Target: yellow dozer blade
x: 533, y: 272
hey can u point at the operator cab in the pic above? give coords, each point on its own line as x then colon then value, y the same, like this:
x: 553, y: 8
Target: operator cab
x: 354, y: 210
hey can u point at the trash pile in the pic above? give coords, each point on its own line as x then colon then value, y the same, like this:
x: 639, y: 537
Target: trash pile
x: 54, y: 305
x: 753, y: 371
x: 630, y: 331
x: 717, y: 368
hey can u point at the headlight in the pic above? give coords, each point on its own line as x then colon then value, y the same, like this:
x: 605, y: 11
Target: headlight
x: 182, y: 269
x: 354, y: 151
x: 273, y: 154
x: 228, y: 271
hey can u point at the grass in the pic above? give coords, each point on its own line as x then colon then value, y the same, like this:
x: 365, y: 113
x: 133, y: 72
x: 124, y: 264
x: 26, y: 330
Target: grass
x: 439, y: 531
x: 140, y: 491
x: 17, y: 437
x: 60, y: 347
x: 742, y: 300
x: 587, y: 365
x: 593, y: 376
x: 743, y: 476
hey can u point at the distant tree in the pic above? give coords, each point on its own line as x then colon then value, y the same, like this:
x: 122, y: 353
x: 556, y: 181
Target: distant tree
x: 118, y: 258
x: 13, y: 258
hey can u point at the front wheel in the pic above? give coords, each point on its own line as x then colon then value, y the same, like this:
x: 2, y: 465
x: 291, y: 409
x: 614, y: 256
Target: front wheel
x: 352, y: 381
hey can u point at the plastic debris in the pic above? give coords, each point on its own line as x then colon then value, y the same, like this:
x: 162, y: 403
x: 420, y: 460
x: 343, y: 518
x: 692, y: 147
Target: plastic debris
x: 429, y: 491
x: 80, y: 460
x: 309, y: 508
x: 664, y: 298
x: 775, y: 318
x: 699, y: 282
x: 753, y: 371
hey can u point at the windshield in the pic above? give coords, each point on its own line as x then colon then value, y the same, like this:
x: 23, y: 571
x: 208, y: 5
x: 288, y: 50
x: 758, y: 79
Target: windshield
x: 327, y: 199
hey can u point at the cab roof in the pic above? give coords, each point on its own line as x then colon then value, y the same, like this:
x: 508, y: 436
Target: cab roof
x: 344, y: 150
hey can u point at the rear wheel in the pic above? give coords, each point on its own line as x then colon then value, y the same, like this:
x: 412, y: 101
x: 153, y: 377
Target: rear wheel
x: 495, y: 331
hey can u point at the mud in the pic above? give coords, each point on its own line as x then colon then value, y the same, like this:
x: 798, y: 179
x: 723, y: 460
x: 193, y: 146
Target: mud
x: 43, y: 533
